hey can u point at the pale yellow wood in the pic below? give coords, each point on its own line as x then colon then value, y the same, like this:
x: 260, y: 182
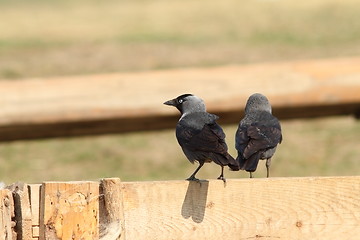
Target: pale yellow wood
x: 276, y: 208
x: 6, y: 214
x: 111, y: 210
x: 35, y: 232
x: 34, y: 192
x: 121, y: 102
x: 70, y: 210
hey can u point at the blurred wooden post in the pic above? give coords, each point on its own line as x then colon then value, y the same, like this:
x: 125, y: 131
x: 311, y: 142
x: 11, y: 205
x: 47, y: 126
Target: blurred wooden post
x: 70, y: 210
x: 6, y: 214
x: 111, y: 210
x: 77, y: 106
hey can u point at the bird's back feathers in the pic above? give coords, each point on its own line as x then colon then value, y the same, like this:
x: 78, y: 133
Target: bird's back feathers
x: 256, y: 138
x: 202, y: 139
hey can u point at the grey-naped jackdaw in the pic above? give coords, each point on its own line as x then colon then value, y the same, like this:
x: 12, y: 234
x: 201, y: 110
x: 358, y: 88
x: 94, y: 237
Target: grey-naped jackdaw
x: 258, y: 134
x: 199, y: 136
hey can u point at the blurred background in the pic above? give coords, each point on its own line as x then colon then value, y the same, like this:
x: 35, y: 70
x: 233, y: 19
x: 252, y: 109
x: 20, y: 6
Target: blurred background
x: 46, y: 38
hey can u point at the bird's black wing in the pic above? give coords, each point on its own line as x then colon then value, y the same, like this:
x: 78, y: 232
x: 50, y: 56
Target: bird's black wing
x: 262, y: 137
x: 209, y: 144
x: 254, y: 137
x: 210, y: 138
x: 205, y: 141
x: 241, y: 142
x: 241, y: 139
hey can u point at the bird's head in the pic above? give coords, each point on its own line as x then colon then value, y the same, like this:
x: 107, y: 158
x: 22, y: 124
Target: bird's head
x: 257, y: 102
x: 187, y: 103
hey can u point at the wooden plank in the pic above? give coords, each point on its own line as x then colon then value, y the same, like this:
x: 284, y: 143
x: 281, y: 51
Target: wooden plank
x: 70, y: 210
x: 111, y: 210
x: 275, y: 208
x: 22, y: 207
x: 116, y: 103
x: 34, y: 192
x: 6, y: 214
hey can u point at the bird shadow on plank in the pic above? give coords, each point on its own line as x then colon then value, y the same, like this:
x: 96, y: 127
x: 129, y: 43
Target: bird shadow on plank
x: 195, y: 200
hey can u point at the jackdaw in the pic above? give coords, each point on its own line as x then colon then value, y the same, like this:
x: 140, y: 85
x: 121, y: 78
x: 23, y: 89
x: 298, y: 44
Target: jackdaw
x: 199, y: 136
x: 258, y: 134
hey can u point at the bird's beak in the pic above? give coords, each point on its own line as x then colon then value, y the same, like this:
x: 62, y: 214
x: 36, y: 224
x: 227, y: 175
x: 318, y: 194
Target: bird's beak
x: 171, y: 102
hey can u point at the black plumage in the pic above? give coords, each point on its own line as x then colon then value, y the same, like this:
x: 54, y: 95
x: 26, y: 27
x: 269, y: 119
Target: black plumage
x: 258, y: 134
x: 199, y: 136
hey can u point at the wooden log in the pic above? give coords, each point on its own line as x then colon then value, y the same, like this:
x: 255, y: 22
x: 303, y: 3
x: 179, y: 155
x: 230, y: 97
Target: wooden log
x: 111, y: 210
x: 22, y: 207
x: 117, y: 103
x: 6, y: 215
x: 275, y: 208
x: 70, y: 210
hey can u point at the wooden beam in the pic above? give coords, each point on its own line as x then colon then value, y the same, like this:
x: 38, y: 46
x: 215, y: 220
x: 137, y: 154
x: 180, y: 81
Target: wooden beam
x: 275, y: 208
x: 124, y: 102
x: 69, y: 210
x: 111, y: 210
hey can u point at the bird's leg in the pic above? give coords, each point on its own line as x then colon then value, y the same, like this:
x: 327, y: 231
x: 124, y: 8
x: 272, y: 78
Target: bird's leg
x: 222, y: 175
x: 251, y: 176
x: 268, y: 163
x: 192, y: 177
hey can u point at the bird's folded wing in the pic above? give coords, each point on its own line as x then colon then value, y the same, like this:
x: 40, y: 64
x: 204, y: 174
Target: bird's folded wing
x: 261, y: 138
x: 241, y: 139
x: 209, y: 139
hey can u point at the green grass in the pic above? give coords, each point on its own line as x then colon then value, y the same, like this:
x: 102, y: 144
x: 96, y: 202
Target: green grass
x: 45, y: 38
x: 320, y: 147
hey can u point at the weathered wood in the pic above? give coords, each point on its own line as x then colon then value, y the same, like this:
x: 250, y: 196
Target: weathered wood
x: 70, y: 210
x: 23, y: 216
x: 34, y: 194
x: 111, y: 210
x: 6, y: 214
x: 115, y: 103
x: 275, y: 208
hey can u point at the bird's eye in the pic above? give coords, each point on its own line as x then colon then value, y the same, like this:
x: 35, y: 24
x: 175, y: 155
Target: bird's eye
x: 181, y: 101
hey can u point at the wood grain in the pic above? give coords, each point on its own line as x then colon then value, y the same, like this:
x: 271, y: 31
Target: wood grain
x: 6, y: 214
x: 276, y: 208
x: 69, y: 210
x: 35, y: 202
x: 123, y: 102
x: 111, y: 210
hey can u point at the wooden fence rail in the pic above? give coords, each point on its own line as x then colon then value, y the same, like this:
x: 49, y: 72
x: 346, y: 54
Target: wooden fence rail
x: 275, y: 208
x: 116, y: 103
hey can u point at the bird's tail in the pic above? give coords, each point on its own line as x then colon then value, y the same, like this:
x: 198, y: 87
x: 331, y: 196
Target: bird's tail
x: 249, y: 164
x: 233, y: 164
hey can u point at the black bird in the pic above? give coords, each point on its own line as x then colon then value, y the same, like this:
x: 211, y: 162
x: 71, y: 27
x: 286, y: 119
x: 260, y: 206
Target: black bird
x: 258, y: 134
x: 199, y: 136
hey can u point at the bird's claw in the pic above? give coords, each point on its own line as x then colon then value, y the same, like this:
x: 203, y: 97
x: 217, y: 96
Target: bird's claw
x: 222, y: 178
x: 193, y: 178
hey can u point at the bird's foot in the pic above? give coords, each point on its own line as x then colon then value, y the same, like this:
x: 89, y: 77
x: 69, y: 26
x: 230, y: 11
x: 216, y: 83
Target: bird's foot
x: 221, y: 177
x: 193, y: 178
